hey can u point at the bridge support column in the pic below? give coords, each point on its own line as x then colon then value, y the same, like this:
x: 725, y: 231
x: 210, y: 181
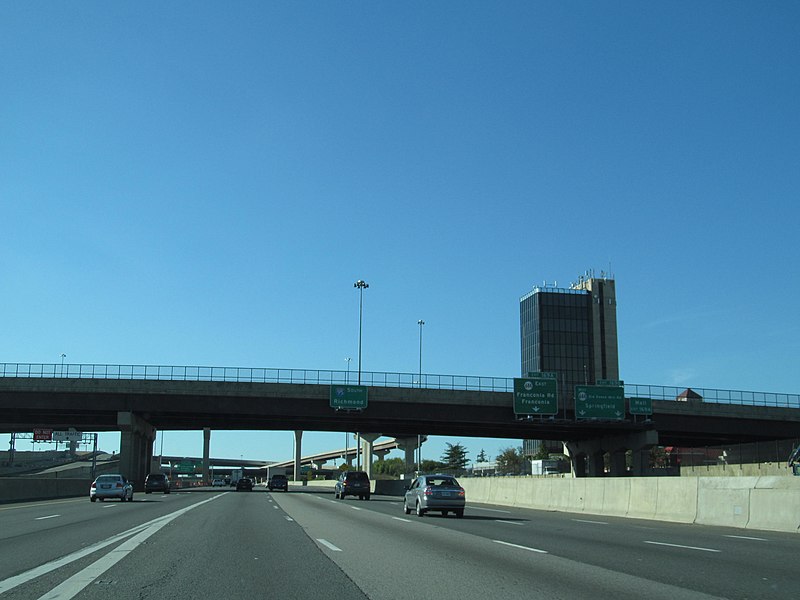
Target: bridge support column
x: 594, y: 451
x: 410, y: 446
x: 366, y: 440
x: 135, y: 447
x: 298, y: 453
x: 381, y: 454
x: 206, y: 454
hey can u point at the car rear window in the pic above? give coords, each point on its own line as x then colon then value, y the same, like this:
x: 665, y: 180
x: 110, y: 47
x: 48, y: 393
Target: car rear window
x: 358, y: 476
x: 108, y: 478
x: 157, y: 477
x: 279, y: 476
x: 442, y: 481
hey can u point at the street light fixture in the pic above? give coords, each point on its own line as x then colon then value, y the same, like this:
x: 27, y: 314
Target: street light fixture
x: 348, y: 360
x: 63, y: 356
x: 361, y: 285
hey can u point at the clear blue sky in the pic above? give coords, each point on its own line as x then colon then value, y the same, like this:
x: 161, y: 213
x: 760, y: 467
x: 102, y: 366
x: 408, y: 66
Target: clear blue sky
x: 201, y: 184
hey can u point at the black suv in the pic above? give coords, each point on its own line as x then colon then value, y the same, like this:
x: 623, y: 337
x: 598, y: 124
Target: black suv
x: 156, y: 482
x: 245, y: 483
x: 278, y: 482
x: 352, y: 483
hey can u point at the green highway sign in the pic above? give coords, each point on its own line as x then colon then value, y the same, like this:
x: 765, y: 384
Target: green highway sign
x: 187, y: 466
x: 536, y: 395
x: 640, y: 406
x: 349, y: 397
x: 611, y: 382
x: 543, y: 374
x: 599, y: 402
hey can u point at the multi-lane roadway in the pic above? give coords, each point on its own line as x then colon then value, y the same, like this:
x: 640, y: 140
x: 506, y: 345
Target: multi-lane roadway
x: 307, y: 545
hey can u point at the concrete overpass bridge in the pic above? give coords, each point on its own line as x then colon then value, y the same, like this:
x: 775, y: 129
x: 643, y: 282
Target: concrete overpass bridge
x: 138, y: 400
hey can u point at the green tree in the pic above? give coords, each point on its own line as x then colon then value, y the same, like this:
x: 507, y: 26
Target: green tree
x: 510, y: 460
x: 393, y: 467
x: 455, y: 457
x: 542, y: 453
x: 431, y: 466
x: 482, y: 456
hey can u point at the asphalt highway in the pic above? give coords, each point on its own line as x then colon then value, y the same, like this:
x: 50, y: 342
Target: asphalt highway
x: 308, y: 545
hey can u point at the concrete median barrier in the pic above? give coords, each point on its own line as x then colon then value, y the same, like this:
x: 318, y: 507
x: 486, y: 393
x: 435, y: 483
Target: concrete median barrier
x: 20, y: 489
x: 676, y: 498
x: 724, y: 501
x: 769, y: 503
x: 775, y: 504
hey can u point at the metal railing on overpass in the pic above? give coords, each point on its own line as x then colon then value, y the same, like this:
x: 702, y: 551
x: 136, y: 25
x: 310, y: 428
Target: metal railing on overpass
x: 256, y: 375
x: 370, y: 378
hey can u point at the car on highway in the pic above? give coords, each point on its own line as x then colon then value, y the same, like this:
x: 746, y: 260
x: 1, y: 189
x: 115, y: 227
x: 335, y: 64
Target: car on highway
x: 218, y: 483
x: 352, y: 483
x: 156, y: 482
x: 441, y: 493
x: 111, y: 486
x: 278, y: 482
x: 244, y: 484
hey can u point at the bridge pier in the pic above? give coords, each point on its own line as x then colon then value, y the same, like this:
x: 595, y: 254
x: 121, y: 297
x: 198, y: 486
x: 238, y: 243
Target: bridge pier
x: 137, y: 437
x: 410, y: 446
x: 366, y: 440
x: 587, y: 456
x: 298, y: 454
x: 206, y: 454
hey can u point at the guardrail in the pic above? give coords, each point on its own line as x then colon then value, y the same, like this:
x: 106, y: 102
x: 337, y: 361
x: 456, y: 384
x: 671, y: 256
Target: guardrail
x: 256, y: 375
x: 370, y: 378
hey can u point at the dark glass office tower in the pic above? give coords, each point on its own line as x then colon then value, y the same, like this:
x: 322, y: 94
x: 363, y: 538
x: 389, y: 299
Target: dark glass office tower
x: 572, y: 332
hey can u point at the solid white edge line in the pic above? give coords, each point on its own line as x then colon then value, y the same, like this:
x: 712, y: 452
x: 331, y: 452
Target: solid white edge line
x: 328, y: 545
x: 401, y: 519
x: 290, y: 519
x: 520, y: 547
x: 592, y: 522
x: 47, y: 517
x: 746, y: 537
x: 507, y: 522
x: 682, y: 546
x: 12, y: 582
x: 508, y: 512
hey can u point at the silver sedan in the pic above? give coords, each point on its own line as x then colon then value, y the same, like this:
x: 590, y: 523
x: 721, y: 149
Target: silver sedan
x: 440, y: 493
x: 111, y: 486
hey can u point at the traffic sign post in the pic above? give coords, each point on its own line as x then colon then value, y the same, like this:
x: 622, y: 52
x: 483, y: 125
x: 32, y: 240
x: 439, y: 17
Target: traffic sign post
x: 599, y: 402
x: 536, y: 395
x: 42, y: 435
x: 640, y: 406
x: 348, y: 397
x: 67, y: 436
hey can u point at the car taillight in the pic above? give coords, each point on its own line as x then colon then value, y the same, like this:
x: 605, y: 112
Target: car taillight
x: 428, y: 491
x: 461, y: 492
x: 94, y: 485
x: 119, y: 484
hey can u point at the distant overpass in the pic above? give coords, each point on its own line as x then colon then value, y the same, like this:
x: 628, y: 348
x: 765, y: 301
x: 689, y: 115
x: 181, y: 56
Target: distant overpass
x: 139, y: 399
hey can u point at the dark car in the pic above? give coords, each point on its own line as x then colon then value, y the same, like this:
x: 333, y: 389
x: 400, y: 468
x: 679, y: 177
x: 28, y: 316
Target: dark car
x: 244, y: 484
x: 278, y: 482
x: 352, y: 483
x: 441, y: 493
x: 156, y: 482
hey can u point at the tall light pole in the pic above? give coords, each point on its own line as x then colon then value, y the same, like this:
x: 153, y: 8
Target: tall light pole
x: 419, y: 437
x: 361, y: 285
x: 420, y: 323
x: 63, y: 356
x: 347, y: 434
